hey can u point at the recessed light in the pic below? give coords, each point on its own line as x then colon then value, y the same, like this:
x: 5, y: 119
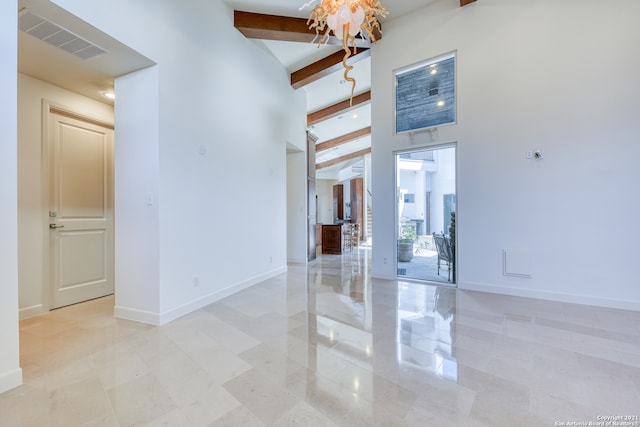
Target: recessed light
x: 440, y: 103
x: 109, y: 94
x: 433, y: 71
x: 355, y: 116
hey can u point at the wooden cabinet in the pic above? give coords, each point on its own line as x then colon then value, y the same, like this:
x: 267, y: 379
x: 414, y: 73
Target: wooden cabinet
x: 332, y: 239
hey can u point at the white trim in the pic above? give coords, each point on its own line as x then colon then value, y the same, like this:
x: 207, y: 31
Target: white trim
x: 192, y: 306
x: 382, y: 276
x: 34, y: 310
x: 159, y: 319
x: 551, y: 296
x: 141, y: 316
x: 10, y: 379
x: 296, y: 261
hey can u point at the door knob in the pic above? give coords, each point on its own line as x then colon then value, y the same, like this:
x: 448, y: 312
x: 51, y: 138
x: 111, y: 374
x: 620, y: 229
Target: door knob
x: 54, y: 226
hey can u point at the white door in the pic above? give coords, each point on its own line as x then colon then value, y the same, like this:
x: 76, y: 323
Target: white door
x: 80, y: 209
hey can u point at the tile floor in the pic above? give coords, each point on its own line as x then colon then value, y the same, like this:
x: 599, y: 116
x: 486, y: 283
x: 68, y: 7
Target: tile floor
x: 325, y: 346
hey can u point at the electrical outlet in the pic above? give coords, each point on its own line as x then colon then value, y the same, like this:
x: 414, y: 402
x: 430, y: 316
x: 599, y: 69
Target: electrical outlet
x: 196, y: 281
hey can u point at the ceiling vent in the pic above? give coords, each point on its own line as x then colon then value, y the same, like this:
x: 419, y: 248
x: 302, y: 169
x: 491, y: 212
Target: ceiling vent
x: 57, y: 36
x: 358, y: 167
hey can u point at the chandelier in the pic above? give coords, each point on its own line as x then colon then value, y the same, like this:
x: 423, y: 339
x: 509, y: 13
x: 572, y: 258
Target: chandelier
x: 347, y: 18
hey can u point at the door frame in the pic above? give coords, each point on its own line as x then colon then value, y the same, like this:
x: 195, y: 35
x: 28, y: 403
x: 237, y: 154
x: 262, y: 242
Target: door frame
x: 49, y: 107
x: 425, y: 147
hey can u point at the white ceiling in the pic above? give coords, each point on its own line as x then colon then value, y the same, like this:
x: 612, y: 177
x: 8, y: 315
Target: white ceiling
x: 331, y: 89
x: 91, y: 77
x: 94, y: 76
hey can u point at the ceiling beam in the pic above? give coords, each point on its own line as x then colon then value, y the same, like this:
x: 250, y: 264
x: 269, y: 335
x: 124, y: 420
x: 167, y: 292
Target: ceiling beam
x: 339, y: 108
x: 343, y: 158
x: 352, y: 136
x: 283, y: 28
x: 466, y: 2
x: 327, y: 65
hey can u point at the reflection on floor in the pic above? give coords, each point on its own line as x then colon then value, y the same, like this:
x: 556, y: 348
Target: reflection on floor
x: 326, y: 345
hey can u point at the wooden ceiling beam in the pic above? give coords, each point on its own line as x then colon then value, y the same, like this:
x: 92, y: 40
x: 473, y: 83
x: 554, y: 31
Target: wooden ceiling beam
x: 339, y: 108
x: 273, y: 27
x: 327, y: 65
x: 466, y: 2
x: 343, y: 158
x: 284, y: 28
x: 352, y: 136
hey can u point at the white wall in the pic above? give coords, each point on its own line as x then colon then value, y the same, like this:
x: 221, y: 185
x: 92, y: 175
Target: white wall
x: 408, y: 184
x: 220, y: 226
x: 137, y: 196
x: 32, y: 197
x: 324, y: 190
x: 10, y: 372
x: 297, y: 207
x: 346, y: 197
x: 531, y: 74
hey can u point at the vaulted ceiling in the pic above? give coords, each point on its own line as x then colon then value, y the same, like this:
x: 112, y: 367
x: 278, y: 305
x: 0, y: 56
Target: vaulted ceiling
x: 279, y: 27
x: 342, y: 129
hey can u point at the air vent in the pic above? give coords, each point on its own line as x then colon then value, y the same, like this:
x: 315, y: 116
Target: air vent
x: 358, y: 167
x: 57, y: 36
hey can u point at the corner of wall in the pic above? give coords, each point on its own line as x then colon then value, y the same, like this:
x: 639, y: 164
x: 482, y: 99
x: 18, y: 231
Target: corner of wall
x: 10, y: 380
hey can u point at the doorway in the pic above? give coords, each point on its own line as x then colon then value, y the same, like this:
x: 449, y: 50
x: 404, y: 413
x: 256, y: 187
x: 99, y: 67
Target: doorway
x: 81, y: 217
x: 425, y: 214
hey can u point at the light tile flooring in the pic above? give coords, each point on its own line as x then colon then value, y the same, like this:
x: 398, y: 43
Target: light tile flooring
x: 325, y: 346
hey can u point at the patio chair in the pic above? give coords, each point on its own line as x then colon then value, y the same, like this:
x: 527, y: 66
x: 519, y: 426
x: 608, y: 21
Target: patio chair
x: 444, y: 252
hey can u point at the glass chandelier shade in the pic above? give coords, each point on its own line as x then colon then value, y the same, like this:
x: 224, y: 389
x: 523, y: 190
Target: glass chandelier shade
x: 346, y: 19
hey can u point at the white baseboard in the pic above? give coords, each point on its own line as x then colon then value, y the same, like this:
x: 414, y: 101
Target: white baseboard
x: 142, y: 316
x: 192, y: 306
x: 10, y: 380
x: 158, y: 319
x: 382, y: 275
x: 32, y: 311
x: 551, y: 296
x: 296, y: 261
